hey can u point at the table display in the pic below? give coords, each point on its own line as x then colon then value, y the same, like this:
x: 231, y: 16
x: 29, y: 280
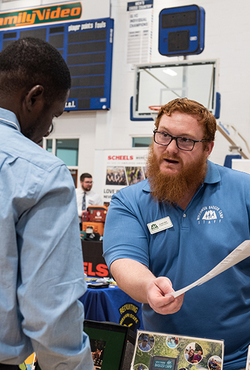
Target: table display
x: 112, y: 304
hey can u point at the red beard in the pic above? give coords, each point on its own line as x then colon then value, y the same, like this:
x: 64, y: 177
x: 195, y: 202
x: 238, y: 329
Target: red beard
x: 172, y: 188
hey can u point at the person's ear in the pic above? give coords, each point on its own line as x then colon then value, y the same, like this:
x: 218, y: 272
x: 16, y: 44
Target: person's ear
x: 209, y: 148
x: 34, y: 98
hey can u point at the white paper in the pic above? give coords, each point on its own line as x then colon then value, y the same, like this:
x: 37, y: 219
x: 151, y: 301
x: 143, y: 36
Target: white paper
x: 237, y: 255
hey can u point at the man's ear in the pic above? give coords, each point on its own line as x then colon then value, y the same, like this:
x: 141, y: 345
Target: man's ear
x: 34, y: 97
x: 209, y: 148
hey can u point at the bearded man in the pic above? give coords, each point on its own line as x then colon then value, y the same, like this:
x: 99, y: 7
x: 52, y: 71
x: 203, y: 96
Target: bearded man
x: 169, y: 230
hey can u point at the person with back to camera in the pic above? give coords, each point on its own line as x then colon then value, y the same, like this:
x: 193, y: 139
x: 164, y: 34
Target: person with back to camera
x: 166, y: 232
x: 41, y: 266
x: 85, y: 196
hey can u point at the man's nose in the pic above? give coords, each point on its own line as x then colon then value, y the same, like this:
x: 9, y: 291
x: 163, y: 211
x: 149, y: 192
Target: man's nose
x: 172, y: 146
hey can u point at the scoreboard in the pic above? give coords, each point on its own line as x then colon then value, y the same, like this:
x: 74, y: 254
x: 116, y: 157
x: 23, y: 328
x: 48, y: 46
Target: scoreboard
x: 87, y: 48
x: 181, y: 30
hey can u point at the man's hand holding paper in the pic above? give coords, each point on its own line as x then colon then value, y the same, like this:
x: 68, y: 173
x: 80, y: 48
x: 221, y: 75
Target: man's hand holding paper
x: 160, y: 296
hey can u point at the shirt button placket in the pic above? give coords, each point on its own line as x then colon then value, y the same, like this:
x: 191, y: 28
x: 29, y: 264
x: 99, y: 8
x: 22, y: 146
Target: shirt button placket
x: 184, y: 221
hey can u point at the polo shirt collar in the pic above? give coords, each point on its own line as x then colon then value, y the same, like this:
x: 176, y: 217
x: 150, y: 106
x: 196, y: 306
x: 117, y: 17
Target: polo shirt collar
x: 213, y: 175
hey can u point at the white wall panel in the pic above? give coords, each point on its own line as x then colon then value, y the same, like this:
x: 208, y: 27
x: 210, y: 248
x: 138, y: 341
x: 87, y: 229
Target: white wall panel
x: 227, y: 37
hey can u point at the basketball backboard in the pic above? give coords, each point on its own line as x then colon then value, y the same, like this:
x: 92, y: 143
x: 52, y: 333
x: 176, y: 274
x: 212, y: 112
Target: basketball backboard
x: 157, y: 84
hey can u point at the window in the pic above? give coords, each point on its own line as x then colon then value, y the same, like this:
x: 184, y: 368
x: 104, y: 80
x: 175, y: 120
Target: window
x: 49, y: 145
x: 141, y: 142
x: 67, y: 151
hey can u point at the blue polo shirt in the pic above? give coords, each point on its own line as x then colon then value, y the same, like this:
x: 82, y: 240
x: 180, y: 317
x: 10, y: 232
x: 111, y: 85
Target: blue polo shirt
x: 214, y: 223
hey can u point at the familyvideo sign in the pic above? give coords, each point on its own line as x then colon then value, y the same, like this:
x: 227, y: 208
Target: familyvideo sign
x: 28, y: 17
x: 33, y: 16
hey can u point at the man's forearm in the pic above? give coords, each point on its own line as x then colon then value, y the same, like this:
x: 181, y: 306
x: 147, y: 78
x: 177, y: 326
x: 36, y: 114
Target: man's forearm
x: 140, y: 284
x: 132, y: 277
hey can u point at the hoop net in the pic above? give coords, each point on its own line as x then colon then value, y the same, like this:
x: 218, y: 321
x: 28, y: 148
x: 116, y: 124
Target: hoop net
x: 154, y: 110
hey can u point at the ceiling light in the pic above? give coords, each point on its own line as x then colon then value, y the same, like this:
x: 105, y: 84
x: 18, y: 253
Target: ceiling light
x: 169, y: 72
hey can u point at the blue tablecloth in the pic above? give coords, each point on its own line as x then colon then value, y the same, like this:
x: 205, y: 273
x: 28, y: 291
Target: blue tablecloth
x: 112, y: 304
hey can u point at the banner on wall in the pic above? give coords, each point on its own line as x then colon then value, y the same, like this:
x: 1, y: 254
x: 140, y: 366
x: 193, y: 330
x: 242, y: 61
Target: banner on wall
x: 58, y: 12
x: 122, y: 168
x: 140, y: 25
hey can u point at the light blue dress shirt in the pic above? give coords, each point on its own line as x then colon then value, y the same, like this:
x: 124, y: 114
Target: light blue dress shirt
x: 41, y: 267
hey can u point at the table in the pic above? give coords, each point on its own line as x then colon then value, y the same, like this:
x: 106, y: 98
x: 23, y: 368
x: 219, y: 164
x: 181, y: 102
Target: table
x: 112, y: 304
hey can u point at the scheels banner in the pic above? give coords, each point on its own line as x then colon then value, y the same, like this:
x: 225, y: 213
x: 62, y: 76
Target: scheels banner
x: 123, y: 168
x: 46, y: 14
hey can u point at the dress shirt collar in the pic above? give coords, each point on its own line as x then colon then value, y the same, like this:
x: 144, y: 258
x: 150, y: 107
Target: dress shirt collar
x: 9, y: 118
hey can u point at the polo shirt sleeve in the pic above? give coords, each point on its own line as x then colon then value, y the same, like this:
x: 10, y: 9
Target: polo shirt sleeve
x: 125, y: 233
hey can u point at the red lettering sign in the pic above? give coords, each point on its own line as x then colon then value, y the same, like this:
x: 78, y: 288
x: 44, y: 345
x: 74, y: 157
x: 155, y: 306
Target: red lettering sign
x: 101, y: 269
x: 120, y: 157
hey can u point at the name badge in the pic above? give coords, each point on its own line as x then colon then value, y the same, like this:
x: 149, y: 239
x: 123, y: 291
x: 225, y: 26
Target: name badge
x: 159, y: 225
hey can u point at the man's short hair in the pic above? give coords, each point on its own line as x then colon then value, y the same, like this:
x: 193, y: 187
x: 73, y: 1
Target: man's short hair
x: 184, y: 105
x: 85, y: 175
x: 31, y: 61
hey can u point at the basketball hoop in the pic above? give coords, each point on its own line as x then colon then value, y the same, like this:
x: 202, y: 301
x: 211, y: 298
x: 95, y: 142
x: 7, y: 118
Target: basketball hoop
x: 154, y: 110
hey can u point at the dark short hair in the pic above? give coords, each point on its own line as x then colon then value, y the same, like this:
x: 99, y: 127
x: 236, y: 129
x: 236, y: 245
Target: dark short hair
x: 85, y: 175
x: 192, y: 107
x: 30, y: 61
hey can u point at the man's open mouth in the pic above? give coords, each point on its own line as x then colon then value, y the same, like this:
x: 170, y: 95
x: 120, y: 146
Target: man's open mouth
x: 172, y: 161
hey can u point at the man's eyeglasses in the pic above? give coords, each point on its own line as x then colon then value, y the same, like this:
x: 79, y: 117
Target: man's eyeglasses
x: 183, y: 143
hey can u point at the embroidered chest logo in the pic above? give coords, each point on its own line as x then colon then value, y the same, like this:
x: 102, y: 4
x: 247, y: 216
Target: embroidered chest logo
x: 210, y: 215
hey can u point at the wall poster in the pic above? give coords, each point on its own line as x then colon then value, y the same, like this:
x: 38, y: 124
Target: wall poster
x: 122, y: 168
x: 139, y: 39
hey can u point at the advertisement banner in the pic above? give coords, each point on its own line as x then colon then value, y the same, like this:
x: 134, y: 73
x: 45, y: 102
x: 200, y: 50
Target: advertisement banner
x: 123, y: 168
x: 59, y: 12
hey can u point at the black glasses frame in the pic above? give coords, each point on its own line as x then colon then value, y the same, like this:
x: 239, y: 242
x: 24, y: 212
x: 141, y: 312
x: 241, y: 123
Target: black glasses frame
x: 176, y: 140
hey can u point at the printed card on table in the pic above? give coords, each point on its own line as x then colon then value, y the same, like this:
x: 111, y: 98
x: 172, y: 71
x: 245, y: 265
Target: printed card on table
x: 157, y: 351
